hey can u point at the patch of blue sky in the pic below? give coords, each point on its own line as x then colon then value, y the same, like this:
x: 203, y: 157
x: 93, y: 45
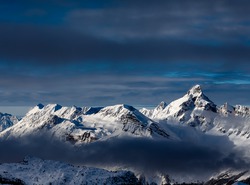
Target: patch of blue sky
x: 206, y: 74
x: 176, y: 74
x: 235, y: 82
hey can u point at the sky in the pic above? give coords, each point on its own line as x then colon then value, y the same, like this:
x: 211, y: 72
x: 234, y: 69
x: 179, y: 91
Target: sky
x: 98, y: 53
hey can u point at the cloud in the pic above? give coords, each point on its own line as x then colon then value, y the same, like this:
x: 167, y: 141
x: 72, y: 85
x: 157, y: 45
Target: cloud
x: 103, y: 90
x: 26, y: 46
x: 70, y: 48
x: 164, y: 32
x: 143, y: 155
x: 202, y: 20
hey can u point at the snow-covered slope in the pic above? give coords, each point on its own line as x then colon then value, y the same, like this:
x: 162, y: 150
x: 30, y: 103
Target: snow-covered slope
x: 79, y: 125
x: 37, y: 171
x: 238, y: 110
x: 34, y: 171
x: 233, y: 121
x: 197, y: 110
x: 155, y: 112
x: 194, y: 109
x: 124, y: 118
x: 185, y: 119
x: 88, y: 124
x: 230, y: 177
x: 53, y: 120
x: 7, y: 120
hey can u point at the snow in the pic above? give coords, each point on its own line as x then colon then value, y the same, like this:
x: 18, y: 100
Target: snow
x: 7, y: 120
x: 78, y: 125
x: 37, y: 171
x: 187, y: 118
x: 82, y: 125
x: 194, y: 109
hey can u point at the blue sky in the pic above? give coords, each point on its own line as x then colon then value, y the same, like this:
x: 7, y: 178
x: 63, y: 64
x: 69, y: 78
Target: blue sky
x: 135, y: 52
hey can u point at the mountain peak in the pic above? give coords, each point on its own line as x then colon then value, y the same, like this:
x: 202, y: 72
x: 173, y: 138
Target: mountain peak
x: 226, y: 108
x: 195, y: 91
x: 161, y: 106
x: 40, y: 106
x: 56, y: 106
x: 129, y: 107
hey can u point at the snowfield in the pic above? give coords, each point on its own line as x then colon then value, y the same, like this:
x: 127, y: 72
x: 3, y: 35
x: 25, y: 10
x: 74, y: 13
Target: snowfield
x: 37, y: 171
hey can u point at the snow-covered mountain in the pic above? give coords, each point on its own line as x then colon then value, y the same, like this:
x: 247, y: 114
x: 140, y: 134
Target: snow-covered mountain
x: 52, y: 119
x: 194, y: 109
x: 34, y: 171
x: 87, y: 124
x: 237, y: 110
x: 37, y: 171
x: 197, y: 110
x: 125, y: 118
x: 7, y: 120
x: 230, y: 177
x: 79, y: 125
x: 185, y: 119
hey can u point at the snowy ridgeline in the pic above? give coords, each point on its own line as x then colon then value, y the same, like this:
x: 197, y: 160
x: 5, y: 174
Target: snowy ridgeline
x: 193, y: 118
x: 82, y: 125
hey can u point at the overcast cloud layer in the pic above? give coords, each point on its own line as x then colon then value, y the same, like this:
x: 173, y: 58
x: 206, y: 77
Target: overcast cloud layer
x: 195, y: 160
x: 108, y: 52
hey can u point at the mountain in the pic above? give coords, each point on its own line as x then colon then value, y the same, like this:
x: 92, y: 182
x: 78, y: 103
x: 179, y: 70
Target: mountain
x: 233, y: 121
x: 80, y: 125
x: 194, y: 109
x: 87, y: 124
x: 230, y: 177
x: 193, y: 119
x: 7, y: 120
x: 155, y: 112
x: 125, y: 118
x: 37, y: 171
x: 53, y: 120
x: 238, y: 110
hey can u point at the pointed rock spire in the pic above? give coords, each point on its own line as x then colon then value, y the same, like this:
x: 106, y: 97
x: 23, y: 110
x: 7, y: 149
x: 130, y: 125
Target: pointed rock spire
x: 195, y: 91
x: 161, y: 106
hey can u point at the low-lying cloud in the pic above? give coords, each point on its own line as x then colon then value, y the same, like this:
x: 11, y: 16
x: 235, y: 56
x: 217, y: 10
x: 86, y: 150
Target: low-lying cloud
x: 138, y: 154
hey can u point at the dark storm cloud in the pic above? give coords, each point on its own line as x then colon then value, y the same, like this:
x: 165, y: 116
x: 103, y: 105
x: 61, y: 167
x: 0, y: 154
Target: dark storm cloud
x: 48, y: 45
x: 143, y: 31
x: 83, y: 49
x: 59, y: 45
x: 195, y: 19
x: 143, y: 155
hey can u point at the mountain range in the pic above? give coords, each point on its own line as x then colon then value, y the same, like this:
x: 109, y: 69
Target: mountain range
x: 188, y: 119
